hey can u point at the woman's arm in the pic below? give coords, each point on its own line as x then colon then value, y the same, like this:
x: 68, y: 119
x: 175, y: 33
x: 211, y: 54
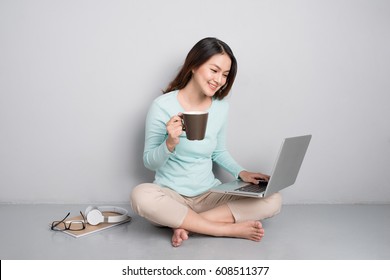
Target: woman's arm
x: 221, y: 155
x: 156, y: 152
x: 223, y: 158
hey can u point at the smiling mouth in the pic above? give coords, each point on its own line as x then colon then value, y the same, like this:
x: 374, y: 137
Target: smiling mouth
x: 213, y: 86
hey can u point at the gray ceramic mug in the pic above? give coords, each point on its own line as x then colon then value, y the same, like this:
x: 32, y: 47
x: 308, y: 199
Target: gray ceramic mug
x: 194, y: 124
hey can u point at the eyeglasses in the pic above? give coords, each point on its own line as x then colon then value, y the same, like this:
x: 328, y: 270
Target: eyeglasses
x: 72, y: 225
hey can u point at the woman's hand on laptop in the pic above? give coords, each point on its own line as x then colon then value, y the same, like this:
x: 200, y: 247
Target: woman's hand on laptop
x: 253, y: 177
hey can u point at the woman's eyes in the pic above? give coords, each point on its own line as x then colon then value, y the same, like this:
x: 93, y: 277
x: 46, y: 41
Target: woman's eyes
x: 215, y: 71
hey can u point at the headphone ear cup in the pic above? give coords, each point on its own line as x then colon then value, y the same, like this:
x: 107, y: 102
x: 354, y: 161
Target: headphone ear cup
x: 94, y: 217
x: 89, y: 208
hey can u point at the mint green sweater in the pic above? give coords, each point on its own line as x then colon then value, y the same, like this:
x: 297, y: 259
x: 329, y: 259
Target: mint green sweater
x: 188, y: 170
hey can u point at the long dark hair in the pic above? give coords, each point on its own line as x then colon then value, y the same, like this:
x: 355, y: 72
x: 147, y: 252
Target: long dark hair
x: 199, y: 54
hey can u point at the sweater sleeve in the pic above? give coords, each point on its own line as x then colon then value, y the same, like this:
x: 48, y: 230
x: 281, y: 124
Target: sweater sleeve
x: 221, y: 155
x: 156, y: 152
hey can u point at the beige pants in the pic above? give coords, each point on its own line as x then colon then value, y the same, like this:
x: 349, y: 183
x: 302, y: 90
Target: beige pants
x: 164, y: 206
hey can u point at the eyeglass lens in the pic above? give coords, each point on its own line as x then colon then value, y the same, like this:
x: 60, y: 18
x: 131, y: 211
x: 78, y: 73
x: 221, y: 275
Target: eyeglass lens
x: 69, y: 225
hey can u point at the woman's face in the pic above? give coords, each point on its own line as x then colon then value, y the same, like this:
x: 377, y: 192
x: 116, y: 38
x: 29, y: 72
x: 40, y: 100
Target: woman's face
x: 212, y: 74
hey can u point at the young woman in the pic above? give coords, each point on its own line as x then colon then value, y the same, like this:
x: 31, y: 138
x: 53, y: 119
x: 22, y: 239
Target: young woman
x: 179, y: 197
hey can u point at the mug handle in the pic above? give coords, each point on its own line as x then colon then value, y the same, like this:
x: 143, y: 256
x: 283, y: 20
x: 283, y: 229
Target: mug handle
x: 182, y: 122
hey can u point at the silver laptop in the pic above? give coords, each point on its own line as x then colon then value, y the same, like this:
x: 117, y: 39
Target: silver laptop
x: 284, y: 173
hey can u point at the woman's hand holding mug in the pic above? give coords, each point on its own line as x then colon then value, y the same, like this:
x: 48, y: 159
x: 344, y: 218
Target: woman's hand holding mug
x: 174, y: 129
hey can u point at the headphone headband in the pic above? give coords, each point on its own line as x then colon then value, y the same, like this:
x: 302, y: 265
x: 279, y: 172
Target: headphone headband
x: 95, y: 215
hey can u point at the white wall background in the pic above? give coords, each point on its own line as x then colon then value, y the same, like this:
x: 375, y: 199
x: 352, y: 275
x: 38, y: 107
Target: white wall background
x: 77, y: 77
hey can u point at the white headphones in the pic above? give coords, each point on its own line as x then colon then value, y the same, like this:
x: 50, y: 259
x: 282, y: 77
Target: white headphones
x: 95, y: 216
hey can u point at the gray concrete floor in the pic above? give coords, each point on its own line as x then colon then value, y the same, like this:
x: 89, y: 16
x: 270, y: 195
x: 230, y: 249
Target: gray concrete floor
x: 299, y: 232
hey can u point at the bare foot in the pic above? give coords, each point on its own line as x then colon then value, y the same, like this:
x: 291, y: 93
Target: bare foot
x: 252, y: 230
x: 179, y: 235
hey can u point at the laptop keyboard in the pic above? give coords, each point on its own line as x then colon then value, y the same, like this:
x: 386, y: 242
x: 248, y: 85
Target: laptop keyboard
x: 254, y: 188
